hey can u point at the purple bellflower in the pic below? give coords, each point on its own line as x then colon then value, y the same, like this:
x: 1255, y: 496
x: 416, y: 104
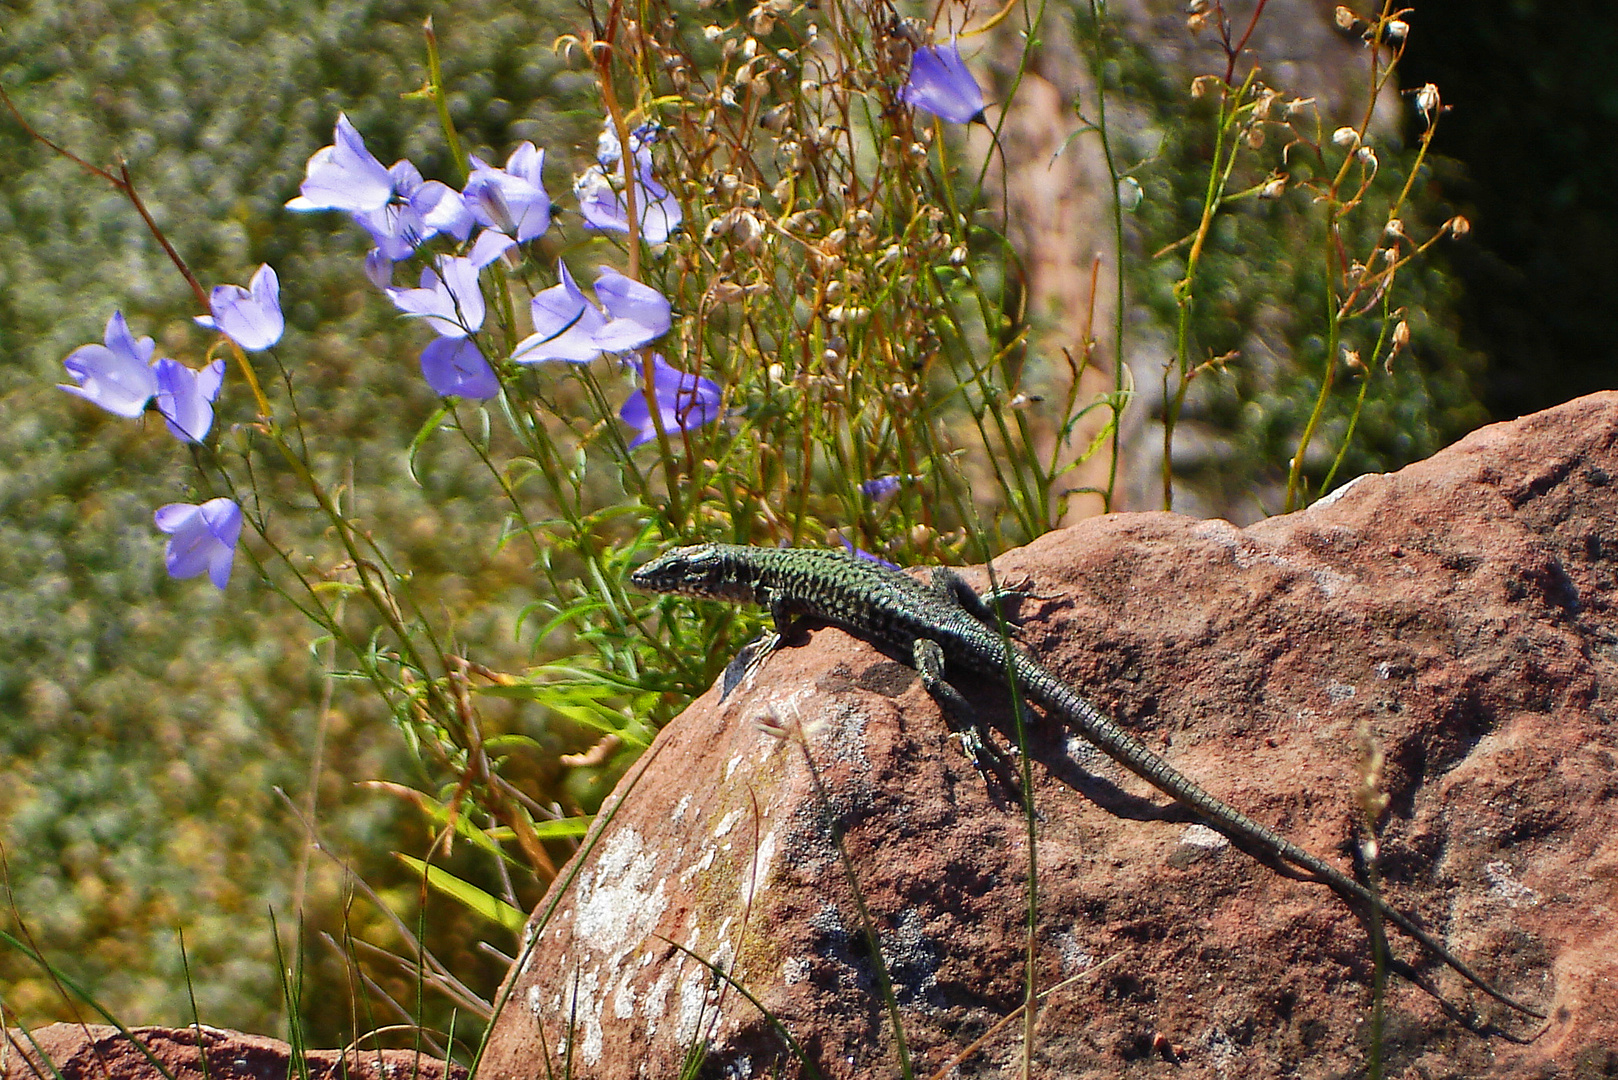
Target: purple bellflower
x: 202, y: 538
x: 452, y: 303
x: 449, y: 299
x: 941, y: 84
x: 861, y: 553
x: 185, y: 397
x: 567, y: 326
x: 683, y: 402
x: 881, y: 487
x: 250, y: 317
x: 344, y: 176
x: 511, y: 200
x: 418, y: 210
x: 605, y: 207
x: 117, y: 376
x: 454, y: 367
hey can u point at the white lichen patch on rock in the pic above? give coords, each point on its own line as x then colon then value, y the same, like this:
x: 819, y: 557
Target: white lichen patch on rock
x: 580, y: 1008
x: 1503, y: 884
x: 1199, y: 835
x: 726, y: 823
x: 695, y: 994
x: 618, y: 904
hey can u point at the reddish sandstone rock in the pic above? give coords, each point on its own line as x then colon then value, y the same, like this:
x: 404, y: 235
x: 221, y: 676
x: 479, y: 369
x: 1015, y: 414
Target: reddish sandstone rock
x: 1461, y: 608
x: 102, y: 1052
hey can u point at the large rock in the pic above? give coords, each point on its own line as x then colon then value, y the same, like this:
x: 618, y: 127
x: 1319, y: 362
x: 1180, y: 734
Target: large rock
x: 1461, y: 608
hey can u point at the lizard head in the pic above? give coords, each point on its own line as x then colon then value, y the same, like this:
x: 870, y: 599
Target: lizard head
x: 700, y: 570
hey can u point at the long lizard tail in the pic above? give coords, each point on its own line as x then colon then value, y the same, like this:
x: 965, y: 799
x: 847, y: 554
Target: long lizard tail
x: 1046, y: 690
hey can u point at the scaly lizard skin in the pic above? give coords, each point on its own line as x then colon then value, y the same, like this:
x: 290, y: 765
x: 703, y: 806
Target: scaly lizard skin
x: 947, y: 624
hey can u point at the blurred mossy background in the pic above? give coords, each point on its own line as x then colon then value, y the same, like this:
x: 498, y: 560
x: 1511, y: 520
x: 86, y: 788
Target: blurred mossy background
x: 145, y: 724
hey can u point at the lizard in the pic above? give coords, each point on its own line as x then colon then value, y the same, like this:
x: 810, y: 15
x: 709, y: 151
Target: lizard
x: 944, y: 624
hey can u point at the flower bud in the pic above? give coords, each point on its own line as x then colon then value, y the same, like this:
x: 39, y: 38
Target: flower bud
x: 1428, y: 102
x: 1345, y: 136
x: 1344, y: 18
x: 1458, y: 226
x: 1395, y: 32
x: 1273, y: 188
x: 1129, y: 193
x: 1401, y: 341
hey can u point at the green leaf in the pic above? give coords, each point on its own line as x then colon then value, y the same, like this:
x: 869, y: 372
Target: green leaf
x: 423, y: 433
x: 468, y: 895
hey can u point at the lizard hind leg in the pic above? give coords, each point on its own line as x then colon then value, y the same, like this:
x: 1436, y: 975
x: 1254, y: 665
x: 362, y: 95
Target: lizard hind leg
x: 990, y: 609
x: 964, y: 722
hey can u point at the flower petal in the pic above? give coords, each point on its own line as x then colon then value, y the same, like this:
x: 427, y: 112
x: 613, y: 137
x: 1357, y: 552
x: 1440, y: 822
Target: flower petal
x: 489, y: 246
x: 454, y: 367
x: 344, y: 176
x: 640, y: 314
x: 452, y: 303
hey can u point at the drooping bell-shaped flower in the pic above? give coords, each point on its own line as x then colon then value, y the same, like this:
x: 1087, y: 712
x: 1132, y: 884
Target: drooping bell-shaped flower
x: 250, y: 317
x: 602, y: 202
x: 118, y: 375
x: 565, y: 325
x: 941, y: 83
x: 344, y: 176
x: 454, y: 367
x: 185, y: 397
x: 511, y: 200
x: 201, y: 538
x: 449, y: 298
x: 683, y: 401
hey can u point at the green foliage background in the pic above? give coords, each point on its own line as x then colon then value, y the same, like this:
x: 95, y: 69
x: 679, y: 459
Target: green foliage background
x: 145, y: 723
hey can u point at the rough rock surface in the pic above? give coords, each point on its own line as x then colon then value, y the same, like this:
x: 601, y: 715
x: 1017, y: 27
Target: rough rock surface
x: 102, y: 1052
x: 1462, y: 608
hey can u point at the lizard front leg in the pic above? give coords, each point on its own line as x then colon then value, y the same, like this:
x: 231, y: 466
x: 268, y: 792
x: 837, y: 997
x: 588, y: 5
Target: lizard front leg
x: 752, y: 656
